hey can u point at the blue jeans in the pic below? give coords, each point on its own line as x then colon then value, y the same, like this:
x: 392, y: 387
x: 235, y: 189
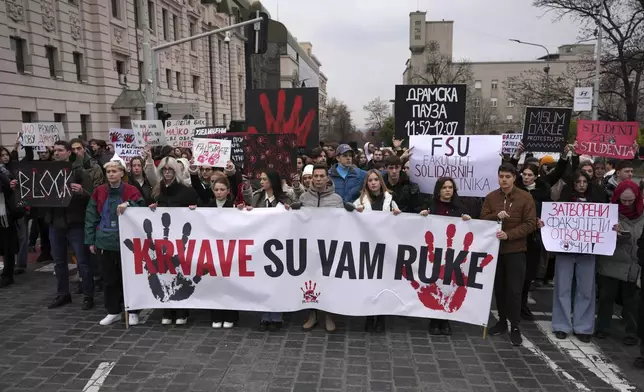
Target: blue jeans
x: 581, y: 320
x: 76, y: 237
x: 272, y: 317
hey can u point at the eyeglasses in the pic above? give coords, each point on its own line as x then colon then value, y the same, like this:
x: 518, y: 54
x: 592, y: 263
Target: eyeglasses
x: 167, y: 169
x: 206, y: 169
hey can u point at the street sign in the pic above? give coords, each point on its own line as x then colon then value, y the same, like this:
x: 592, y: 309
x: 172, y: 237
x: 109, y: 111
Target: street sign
x: 583, y: 99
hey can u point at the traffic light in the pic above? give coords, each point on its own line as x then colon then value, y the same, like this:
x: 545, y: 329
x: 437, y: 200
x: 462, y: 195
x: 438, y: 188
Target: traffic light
x: 257, y: 39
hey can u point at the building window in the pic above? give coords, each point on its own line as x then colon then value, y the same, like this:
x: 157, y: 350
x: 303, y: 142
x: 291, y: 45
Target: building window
x: 178, y: 81
x: 510, y: 102
x: 175, y: 27
x: 137, y: 22
x: 78, y: 63
x: 61, y: 118
x: 84, y: 122
x: 193, y: 43
x: 120, y: 70
x: 195, y: 84
x: 417, y: 23
x: 225, y: 121
x: 477, y: 119
x: 240, y: 88
x: 219, y: 52
x: 493, y: 119
x: 116, y: 8
x: 164, y: 17
x: 125, y: 122
x: 241, y: 110
x: 18, y: 47
x: 509, y: 119
x: 494, y: 102
x: 510, y: 84
x: 417, y: 37
x: 221, y: 91
x: 495, y: 84
x: 168, y: 78
x: 141, y: 73
x: 73, y: 2
x: 29, y: 117
x: 52, y: 55
x: 477, y: 103
x: 477, y: 84
x: 151, y: 16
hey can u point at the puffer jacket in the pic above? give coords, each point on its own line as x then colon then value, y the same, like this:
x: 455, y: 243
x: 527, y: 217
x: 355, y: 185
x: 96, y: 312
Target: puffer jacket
x: 406, y: 194
x: 349, y: 187
x: 624, y: 263
x: 326, y: 198
x: 388, y: 203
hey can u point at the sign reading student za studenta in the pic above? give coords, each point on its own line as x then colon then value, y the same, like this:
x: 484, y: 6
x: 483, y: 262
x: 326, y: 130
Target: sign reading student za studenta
x: 430, y: 110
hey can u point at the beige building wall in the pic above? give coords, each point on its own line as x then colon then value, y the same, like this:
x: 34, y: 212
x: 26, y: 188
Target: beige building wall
x: 102, y: 34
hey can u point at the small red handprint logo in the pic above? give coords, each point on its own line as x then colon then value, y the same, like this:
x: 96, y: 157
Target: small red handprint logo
x: 115, y: 137
x: 309, y: 295
x: 128, y: 138
x: 437, y: 295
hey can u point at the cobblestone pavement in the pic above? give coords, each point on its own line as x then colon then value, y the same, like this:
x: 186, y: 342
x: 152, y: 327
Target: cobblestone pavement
x: 66, y: 350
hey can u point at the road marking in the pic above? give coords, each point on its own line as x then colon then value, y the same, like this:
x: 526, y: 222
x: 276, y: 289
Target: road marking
x: 590, y: 357
x: 98, y: 378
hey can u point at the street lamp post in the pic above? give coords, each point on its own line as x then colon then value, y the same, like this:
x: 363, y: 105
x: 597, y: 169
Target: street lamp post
x: 547, y: 67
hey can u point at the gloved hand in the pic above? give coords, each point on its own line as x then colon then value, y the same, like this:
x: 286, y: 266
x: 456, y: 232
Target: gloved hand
x: 296, y: 206
x: 349, y: 207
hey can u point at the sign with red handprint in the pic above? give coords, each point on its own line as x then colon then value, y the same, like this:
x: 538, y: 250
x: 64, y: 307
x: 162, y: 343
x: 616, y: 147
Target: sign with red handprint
x: 285, y: 111
x: 124, y: 141
x: 210, y: 152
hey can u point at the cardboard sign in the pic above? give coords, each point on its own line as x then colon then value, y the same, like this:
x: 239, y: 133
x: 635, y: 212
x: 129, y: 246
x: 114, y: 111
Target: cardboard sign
x: 44, y: 184
x: 149, y: 132
x: 179, y: 133
x: 546, y: 129
x: 285, y: 111
x: 236, y: 146
x: 124, y: 141
x: 511, y: 142
x: 41, y: 135
x: 211, y: 152
x: 208, y: 132
x: 430, y: 110
x: 607, y: 138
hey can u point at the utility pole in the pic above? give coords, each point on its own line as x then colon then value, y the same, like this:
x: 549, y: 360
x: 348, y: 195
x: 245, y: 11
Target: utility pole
x: 147, y: 61
x: 598, y: 63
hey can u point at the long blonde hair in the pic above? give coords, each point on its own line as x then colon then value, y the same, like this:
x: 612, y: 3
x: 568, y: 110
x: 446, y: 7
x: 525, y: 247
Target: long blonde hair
x: 365, y: 187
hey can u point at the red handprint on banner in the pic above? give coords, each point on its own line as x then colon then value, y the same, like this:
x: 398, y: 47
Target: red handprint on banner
x: 128, y: 138
x: 278, y: 123
x: 115, y: 136
x: 308, y: 292
x: 433, y: 295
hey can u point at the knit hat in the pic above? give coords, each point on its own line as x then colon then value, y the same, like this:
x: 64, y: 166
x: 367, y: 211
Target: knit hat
x: 171, y: 163
x: 308, y: 170
x: 546, y: 159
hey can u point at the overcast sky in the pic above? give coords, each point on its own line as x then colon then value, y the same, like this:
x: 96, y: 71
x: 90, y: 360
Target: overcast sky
x: 363, y: 44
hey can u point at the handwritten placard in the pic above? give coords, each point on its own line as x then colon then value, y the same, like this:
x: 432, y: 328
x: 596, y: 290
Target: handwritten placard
x: 41, y: 135
x: 44, y: 184
x: 124, y: 142
x: 237, y: 146
x: 430, y: 110
x: 510, y: 142
x: 546, y: 129
x: 607, y: 138
x: 179, y: 133
x: 472, y: 161
x: 579, y: 227
x: 211, y: 152
x: 208, y: 132
x: 148, y: 132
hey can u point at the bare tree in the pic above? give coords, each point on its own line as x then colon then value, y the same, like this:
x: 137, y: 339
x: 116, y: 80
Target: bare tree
x: 481, y: 117
x: 377, y: 112
x: 340, y: 124
x: 438, y: 68
x: 622, y: 57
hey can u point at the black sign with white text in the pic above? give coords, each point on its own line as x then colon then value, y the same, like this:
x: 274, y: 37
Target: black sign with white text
x: 208, y: 132
x: 430, y: 110
x: 237, y: 145
x: 546, y: 129
x: 44, y: 184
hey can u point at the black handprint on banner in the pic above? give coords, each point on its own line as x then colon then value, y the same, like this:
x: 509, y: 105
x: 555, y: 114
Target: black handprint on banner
x: 167, y: 287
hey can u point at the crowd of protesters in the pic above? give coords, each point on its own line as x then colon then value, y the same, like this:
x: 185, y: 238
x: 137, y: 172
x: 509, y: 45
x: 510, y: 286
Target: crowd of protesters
x: 586, y: 287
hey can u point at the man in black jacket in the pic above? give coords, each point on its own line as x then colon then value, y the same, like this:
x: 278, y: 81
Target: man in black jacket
x: 405, y: 193
x: 639, y: 361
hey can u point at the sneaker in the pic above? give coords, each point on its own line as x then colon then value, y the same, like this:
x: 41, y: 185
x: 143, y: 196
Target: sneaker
x: 329, y: 324
x: 561, y: 335
x: 498, y: 328
x: 217, y: 324
x: 515, y: 337
x: 133, y: 319
x: 228, y: 324
x: 263, y: 326
x: 4, y: 282
x: 181, y: 321
x: 110, y: 319
x: 166, y: 321
x: 88, y: 303
x: 59, y: 301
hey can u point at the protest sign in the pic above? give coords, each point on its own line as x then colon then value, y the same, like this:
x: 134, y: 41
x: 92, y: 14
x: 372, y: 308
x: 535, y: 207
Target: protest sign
x: 179, y: 133
x: 546, y: 129
x: 270, y: 152
x: 472, y: 161
x: 285, y: 111
x: 583, y: 101
x: 124, y: 142
x: 211, y: 152
x: 236, y: 145
x: 274, y: 260
x: 607, y: 138
x: 208, y: 132
x: 510, y: 142
x: 41, y: 135
x: 430, y: 110
x: 579, y: 227
x: 148, y: 132
x: 44, y: 184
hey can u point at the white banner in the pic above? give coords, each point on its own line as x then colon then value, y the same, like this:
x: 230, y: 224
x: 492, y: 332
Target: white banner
x: 472, y: 161
x: 271, y: 259
x: 41, y: 135
x: 510, y: 142
x: 579, y: 227
x: 149, y: 132
x: 211, y: 152
x: 583, y: 99
x: 179, y: 133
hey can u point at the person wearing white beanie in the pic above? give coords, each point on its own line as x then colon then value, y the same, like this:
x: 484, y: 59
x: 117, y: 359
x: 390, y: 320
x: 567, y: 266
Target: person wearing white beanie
x: 184, y: 175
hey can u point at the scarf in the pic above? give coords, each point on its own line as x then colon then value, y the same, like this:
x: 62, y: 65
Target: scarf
x: 531, y: 187
x: 634, y: 210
